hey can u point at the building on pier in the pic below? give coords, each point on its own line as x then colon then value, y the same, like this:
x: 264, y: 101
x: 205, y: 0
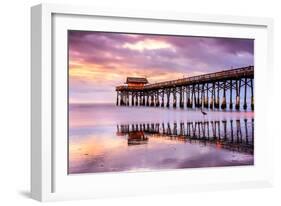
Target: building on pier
x: 136, y: 82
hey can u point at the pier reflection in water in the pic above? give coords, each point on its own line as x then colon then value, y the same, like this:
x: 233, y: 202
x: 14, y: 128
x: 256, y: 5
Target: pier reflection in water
x: 107, y: 138
x: 227, y: 134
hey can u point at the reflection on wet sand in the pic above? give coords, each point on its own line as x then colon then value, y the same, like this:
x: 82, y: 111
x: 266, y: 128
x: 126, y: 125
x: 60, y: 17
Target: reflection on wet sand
x: 106, y: 138
x: 225, y: 134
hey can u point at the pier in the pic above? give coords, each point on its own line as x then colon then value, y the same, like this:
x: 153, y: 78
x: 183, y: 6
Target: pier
x: 219, y: 90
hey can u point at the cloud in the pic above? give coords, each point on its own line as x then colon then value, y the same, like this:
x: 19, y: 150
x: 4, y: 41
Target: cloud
x: 147, y: 44
x: 103, y: 59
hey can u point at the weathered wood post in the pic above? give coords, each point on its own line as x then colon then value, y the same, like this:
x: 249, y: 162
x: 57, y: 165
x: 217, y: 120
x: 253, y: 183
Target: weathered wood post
x: 198, y: 98
x: 168, y: 97
x: 133, y: 99
x: 124, y: 99
x: 147, y: 99
x: 223, y: 104
x: 174, y: 97
x: 152, y: 99
x: 230, y: 95
x: 192, y: 96
x: 252, y: 95
x: 137, y: 99
x: 218, y: 96
x: 206, y: 101
x: 162, y: 98
x: 128, y: 99
x: 245, y: 95
x: 187, y: 96
x: 157, y: 104
x: 202, y: 100
x: 238, y: 86
x: 213, y: 96
x: 121, y: 99
x: 181, y: 97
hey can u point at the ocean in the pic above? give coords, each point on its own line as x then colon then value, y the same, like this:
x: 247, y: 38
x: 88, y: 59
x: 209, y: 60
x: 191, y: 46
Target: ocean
x: 110, y: 138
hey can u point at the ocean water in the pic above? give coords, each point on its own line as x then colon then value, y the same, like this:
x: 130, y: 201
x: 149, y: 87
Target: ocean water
x: 110, y: 138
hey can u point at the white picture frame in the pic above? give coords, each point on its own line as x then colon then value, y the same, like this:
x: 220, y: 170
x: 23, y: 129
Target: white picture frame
x: 49, y: 180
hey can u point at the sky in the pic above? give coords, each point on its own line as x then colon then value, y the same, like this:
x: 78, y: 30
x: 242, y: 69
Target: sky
x: 100, y: 61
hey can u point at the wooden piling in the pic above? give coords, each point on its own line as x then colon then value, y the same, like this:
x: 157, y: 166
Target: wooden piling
x: 245, y: 94
x: 223, y: 104
x: 252, y: 94
x: 230, y: 95
x: 238, y: 86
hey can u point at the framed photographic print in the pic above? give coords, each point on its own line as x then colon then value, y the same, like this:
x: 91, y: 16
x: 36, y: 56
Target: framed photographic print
x: 133, y: 102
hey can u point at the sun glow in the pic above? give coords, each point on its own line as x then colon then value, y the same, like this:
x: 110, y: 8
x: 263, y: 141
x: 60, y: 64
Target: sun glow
x: 147, y: 44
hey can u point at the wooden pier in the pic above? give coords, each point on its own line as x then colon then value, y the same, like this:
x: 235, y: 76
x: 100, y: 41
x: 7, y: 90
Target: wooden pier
x: 202, y: 91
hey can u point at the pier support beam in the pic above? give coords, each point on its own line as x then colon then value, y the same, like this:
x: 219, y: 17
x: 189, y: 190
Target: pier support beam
x: 188, y: 96
x: 133, y: 99
x: 230, y: 95
x: 252, y: 95
x: 162, y: 98
x: 140, y: 100
x: 143, y: 99
x: 223, y: 104
x: 218, y: 97
x: 192, y: 96
x: 213, y: 96
x: 121, y: 99
x: 245, y: 94
x: 238, y: 86
x: 137, y: 99
x: 201, y: 102
x: 181, y: 97
x: 168, y: 98
x: 127, y: 99
x: 152, y: 100
x: 157, y: 103
x: 198, y: 98
x: 206, y: 99
x: 175, y: 97
x: 147, y: 99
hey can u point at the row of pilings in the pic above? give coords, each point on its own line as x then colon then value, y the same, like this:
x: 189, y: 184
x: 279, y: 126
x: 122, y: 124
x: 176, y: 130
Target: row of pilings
x: 213, y: 95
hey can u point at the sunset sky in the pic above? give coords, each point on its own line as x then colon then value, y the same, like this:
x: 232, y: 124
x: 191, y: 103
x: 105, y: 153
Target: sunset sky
x: 99, y: 61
